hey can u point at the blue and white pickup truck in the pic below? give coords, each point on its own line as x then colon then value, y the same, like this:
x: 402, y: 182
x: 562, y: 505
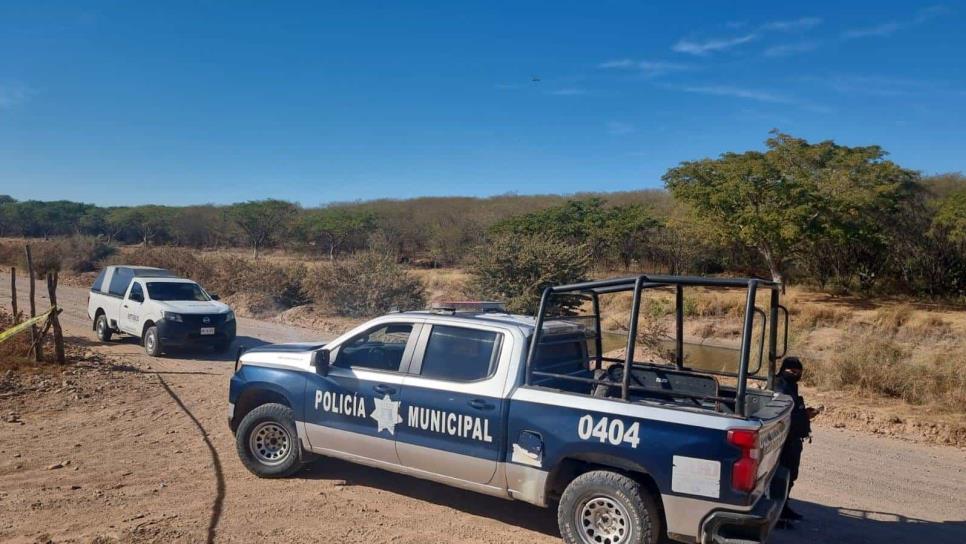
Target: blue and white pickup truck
x: 535, y: 409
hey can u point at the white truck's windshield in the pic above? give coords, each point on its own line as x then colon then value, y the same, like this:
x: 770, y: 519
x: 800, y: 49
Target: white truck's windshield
x: 158, y: 290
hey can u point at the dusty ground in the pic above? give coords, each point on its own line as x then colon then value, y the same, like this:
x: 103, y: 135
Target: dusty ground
x: 134, y: 449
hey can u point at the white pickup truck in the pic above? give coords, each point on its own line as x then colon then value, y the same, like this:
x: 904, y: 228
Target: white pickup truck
x: 159, y: 308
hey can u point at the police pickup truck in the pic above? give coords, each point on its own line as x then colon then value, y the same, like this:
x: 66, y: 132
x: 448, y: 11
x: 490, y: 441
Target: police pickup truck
x: 539, y: 410
x: 158, y: 308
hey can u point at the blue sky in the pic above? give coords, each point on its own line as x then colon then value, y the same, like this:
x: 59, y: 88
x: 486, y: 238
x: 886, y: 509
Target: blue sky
x: 177, y: 103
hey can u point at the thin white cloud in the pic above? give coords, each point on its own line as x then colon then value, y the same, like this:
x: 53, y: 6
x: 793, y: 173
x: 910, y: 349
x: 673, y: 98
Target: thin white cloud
x: 802, y: 23
x: 705, y: 47
x: 572, y: 91
x: 738, y: 92
x: 711, y: 45
x: 620, y: 63
x: 620, y: 128
x: 650, y: 68
x: 884, y: 29
x: 785, y: 49
x: 889, y: 28
x: 12, y: 95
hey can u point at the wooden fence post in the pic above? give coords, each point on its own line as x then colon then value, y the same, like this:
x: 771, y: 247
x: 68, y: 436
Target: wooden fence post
x: 34, y: 335
x: 13, y: 294
x: 58, y: 332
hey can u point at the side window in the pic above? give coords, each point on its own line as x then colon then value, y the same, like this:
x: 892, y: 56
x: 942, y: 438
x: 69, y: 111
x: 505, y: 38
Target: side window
x: 99, y: 282
x: 120, y: 280
x: 459, y: 354
x: 377, y: 349
x: 137, y: 294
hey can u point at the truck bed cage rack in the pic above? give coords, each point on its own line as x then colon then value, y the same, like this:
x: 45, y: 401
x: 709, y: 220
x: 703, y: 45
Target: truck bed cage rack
x: 637, y: 284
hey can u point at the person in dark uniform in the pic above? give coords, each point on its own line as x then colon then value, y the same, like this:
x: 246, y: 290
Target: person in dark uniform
x: 801, y: 427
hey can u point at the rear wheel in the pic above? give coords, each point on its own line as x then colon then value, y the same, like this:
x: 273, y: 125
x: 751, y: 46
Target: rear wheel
x: 152, y: 343
x: 267, y: 442
x: 102, y: 328
x: 604, y: 507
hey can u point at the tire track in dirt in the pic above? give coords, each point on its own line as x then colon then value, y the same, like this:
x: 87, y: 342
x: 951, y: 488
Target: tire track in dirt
x: 218, y: 504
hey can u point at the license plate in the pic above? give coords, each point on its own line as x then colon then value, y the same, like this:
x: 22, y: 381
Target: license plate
x: 207, y: 330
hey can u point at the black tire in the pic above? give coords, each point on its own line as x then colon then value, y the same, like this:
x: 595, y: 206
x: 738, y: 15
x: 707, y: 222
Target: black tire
x: 152, y: 342
x: 604, y: 507
x: 261, y: 455
x: 103, y: 329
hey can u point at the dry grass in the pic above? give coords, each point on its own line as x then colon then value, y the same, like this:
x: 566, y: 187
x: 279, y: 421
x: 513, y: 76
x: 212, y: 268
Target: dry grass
x: 872, y: 364
x: 811, y: 316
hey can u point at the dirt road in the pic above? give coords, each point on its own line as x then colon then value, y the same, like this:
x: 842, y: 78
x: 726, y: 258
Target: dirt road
x: 137, y: 449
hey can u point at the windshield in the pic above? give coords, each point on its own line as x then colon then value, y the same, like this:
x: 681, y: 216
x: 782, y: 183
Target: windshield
x: 176, y: 291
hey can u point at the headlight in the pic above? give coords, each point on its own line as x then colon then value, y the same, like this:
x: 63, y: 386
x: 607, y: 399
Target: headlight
x: 171, y: 316
x: 230, y: 316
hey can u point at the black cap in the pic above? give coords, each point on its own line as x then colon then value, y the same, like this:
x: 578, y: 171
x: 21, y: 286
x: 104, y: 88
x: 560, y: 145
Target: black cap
x: 791, y: 362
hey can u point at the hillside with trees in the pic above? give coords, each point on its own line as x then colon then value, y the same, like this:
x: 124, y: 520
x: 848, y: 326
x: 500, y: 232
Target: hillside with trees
x: 836, y: 217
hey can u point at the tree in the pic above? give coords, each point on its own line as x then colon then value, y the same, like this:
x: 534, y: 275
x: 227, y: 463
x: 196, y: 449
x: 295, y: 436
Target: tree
x: 262, y: 221
x: 793, y: 195
x: 515, y: 269
x: 336, y: 226
x: 625, y: 231
x: 145, y: 222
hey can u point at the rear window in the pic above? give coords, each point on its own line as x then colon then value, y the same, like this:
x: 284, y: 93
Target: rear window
x: 120, y: 280
x: 461, y: 355
x: 99, y: 282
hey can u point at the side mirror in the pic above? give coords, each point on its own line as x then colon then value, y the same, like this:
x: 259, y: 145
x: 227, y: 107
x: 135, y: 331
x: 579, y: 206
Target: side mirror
x: 320, y: 360
x: 214, y: 296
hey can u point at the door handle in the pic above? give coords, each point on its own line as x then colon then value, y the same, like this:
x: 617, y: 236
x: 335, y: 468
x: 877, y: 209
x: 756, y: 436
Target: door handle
x: 481, y: 404
x: 383, y: 389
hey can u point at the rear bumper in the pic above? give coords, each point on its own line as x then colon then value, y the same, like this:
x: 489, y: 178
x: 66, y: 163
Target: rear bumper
x: 752, y: 526
x: 173, y: 333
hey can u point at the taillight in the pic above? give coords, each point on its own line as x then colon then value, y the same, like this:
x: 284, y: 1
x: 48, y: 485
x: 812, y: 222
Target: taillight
x: 744, y: 473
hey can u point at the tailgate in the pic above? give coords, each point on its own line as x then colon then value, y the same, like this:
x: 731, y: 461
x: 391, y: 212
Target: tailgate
x: 771, y: 438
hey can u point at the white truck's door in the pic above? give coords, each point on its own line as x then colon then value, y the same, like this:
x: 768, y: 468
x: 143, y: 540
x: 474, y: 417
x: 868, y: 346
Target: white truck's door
x: 129, y: 317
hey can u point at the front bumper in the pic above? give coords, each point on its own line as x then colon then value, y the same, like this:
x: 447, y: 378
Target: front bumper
x: 173, y: 333
x: 753, y: 526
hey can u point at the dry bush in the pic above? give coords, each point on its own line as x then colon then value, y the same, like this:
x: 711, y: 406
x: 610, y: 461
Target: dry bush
x: 713, y: 304
x: 893, y: 317
x: 76, y: 254
x: 370, y: 283
x: 16, y: 347
x: 924, y: 325
x: 806, y: 316
x: 228, y: 274
x: 444, y: 284
x: 874, y: 364
x: 706, y: 330
x: 181, y: 261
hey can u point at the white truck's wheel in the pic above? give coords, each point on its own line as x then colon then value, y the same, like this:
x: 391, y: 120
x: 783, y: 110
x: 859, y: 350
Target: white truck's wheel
x: 267, y: 442
x: 103, y: 329
x: 152, y: 343
x: 604, y: 507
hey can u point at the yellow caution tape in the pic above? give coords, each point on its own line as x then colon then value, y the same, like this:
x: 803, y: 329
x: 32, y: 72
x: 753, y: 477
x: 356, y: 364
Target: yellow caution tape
x: 16, y: 329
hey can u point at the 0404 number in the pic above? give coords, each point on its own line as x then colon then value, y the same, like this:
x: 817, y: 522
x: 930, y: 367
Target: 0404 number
x: 608, y: 430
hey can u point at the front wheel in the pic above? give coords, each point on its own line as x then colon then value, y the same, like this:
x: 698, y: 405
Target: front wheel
x: 152, y: 342
x: 604, y: 507
x: 267, y: 442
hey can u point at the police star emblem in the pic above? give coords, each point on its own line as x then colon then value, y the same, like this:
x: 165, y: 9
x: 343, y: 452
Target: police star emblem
x: 386, y: 414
